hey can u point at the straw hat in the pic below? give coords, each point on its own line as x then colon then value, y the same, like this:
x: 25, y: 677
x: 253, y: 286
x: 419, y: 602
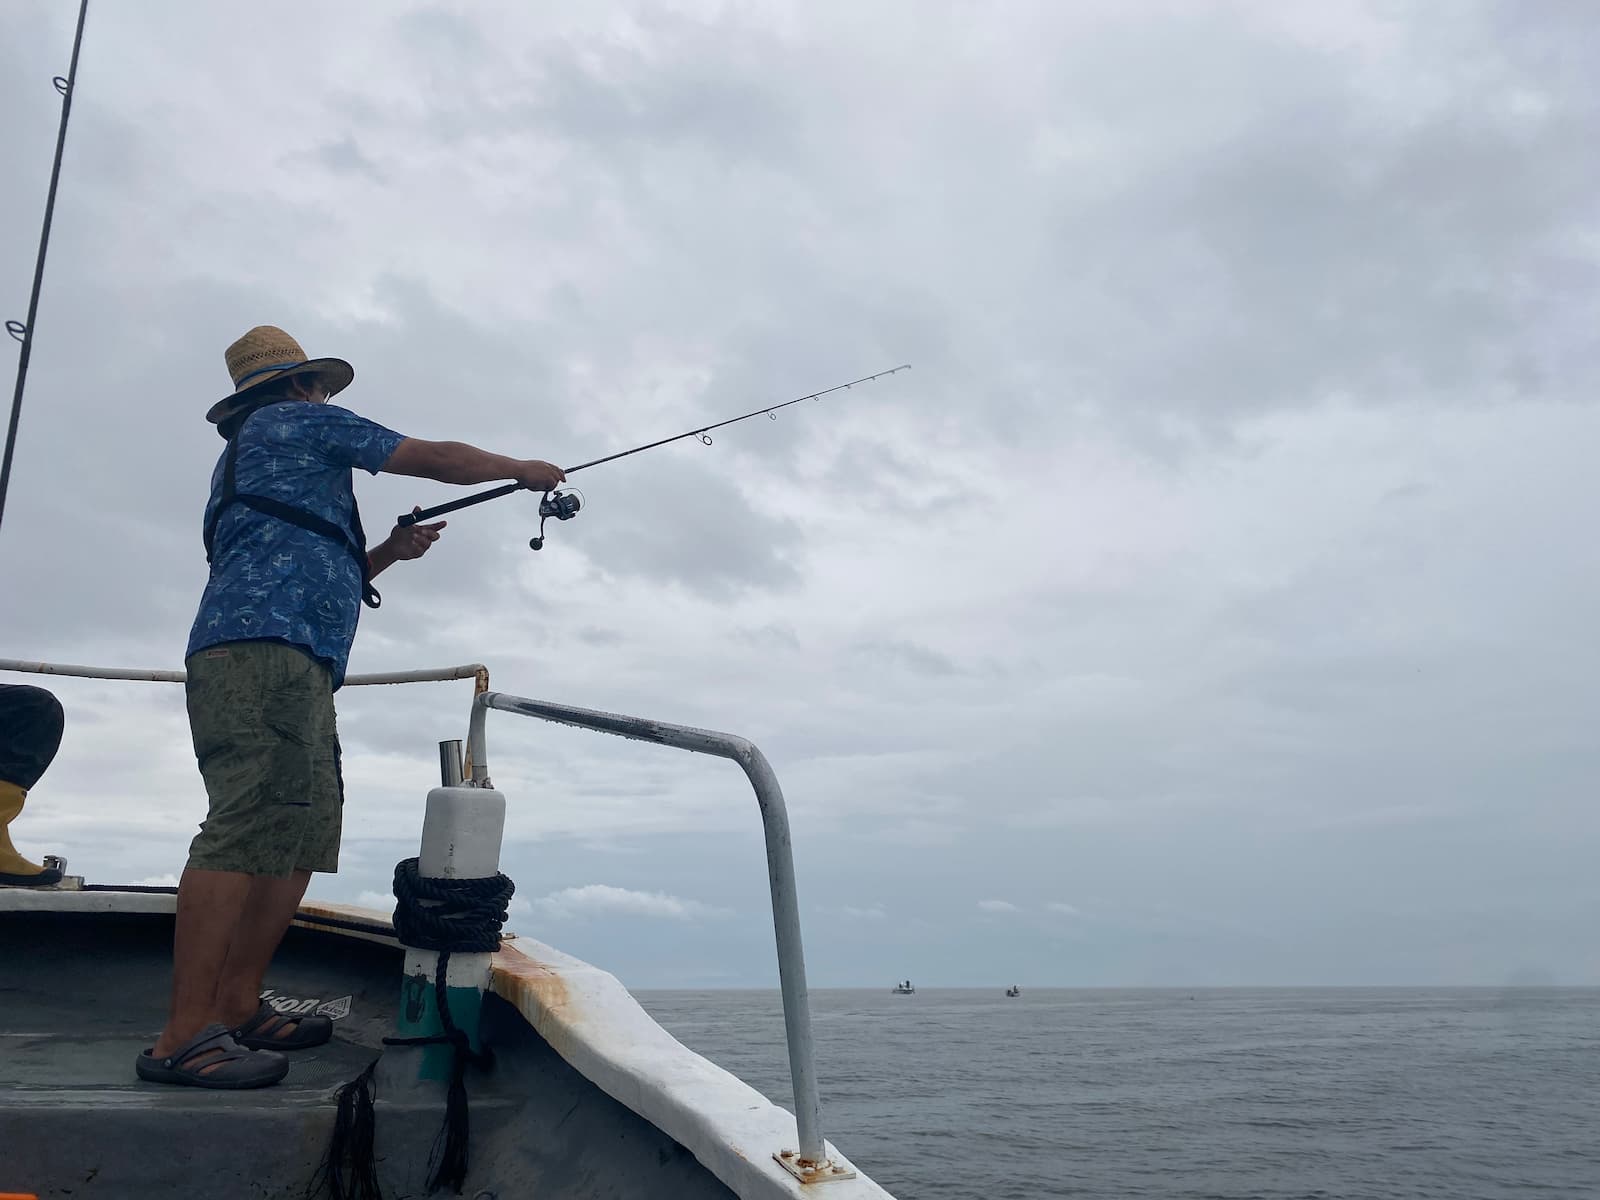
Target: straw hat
x: 267, y: 353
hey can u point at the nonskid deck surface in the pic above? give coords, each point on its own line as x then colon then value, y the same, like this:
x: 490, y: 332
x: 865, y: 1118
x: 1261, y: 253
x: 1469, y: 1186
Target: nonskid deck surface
x: 72, y: 1059
x: 82, y: 993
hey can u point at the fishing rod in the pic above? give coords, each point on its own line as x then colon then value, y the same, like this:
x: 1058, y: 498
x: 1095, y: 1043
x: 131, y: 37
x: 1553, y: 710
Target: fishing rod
x: 563, y: 506
x: 23, y: 330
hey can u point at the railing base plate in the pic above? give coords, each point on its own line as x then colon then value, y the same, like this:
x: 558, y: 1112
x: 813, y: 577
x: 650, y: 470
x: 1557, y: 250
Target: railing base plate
x: 807, y: 1171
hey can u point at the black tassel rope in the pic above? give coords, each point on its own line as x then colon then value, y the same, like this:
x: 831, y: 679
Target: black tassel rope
x: 465, y: 916
x: 349, y: 1169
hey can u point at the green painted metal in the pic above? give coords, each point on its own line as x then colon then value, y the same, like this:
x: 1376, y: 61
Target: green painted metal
x: 419, y: 1017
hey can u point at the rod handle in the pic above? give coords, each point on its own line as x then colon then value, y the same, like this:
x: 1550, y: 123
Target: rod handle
x: 406, y: 520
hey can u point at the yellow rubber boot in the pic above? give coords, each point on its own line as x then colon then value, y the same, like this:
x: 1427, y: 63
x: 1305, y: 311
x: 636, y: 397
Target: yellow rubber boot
x: 16, y: 871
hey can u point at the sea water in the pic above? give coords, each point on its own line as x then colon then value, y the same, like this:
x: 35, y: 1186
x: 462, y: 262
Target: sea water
x: 1272, y: 1094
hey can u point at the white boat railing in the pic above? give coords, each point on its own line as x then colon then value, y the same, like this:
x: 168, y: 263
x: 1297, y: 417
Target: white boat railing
x: 427, y: 675
x: 474, y: 671
x: 811, y: 1163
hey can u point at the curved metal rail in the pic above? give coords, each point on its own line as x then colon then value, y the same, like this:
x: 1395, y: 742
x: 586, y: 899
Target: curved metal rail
x: 812, y: 1164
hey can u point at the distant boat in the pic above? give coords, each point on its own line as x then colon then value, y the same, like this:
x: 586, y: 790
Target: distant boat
x: 903, y: 988
x: 1013, y: 990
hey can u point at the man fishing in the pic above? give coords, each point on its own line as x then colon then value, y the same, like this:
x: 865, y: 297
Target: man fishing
x: 290, y: 569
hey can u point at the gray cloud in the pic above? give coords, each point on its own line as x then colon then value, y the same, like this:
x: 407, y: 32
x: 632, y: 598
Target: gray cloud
x: 344, y: 156
x: 604, y: 898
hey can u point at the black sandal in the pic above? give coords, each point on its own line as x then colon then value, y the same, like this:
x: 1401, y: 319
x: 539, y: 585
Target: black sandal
x: 214, y: 1060
x: 265, y: 1031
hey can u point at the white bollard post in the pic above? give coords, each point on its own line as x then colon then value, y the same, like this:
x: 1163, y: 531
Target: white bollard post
x: 461, y: 835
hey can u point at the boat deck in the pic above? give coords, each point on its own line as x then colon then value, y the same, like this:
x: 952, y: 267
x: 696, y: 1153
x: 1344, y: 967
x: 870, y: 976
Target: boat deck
x: 77, y: 1009
x: 84, y: 991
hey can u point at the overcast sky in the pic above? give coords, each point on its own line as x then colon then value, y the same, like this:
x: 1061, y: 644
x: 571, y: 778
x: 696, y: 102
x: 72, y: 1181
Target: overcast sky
x: 1212, y: 603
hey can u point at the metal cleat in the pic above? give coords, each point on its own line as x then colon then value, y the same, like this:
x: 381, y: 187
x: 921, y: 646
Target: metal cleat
x: 68, y: 883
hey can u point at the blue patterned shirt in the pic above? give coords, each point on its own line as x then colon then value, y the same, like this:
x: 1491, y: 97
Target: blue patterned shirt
x: 274, y: 581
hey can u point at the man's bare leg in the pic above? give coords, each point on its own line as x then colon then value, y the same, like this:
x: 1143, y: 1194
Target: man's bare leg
x: 267, y: 913
x: 210, y: 904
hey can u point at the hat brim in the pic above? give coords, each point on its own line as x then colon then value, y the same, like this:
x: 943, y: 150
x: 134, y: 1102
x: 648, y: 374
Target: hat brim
x: 335, y: 372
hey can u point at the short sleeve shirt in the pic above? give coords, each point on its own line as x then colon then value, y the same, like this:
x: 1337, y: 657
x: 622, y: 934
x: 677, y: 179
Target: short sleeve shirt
x: 272, y: 580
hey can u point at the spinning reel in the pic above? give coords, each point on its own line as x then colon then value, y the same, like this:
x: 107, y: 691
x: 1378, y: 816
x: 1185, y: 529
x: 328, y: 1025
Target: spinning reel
x: 563, y: 506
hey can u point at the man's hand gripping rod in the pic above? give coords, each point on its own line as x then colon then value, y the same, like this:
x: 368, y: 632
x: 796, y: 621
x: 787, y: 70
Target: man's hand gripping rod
x: 564, y: 508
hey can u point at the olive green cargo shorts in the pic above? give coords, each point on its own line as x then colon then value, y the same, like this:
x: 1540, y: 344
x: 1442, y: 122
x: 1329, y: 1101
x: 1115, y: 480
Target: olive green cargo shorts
x: 261, y: 714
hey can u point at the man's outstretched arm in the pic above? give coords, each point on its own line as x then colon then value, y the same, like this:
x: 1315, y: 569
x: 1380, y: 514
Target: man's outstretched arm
x: 449, y: 462
x: 457, y: 462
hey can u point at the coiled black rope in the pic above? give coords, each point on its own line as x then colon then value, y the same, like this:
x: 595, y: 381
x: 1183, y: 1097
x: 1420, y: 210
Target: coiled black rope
x: 464, y: 915
x: 444, y: 915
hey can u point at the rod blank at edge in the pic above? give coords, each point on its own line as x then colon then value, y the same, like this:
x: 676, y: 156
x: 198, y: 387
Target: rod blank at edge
x: 38, y: 269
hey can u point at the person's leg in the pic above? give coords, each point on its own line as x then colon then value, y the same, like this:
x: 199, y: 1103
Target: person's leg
x: 267, y: 911
x: 31, y: 723
x: 273, y: 902
x: 253, y: 758
x: 210, y: 904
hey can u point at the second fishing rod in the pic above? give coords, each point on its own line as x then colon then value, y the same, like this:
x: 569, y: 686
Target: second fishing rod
x: 563, y: 506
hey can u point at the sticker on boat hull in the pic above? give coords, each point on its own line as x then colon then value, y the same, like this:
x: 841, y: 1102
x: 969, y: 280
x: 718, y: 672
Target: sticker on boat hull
x: 301, y: 1006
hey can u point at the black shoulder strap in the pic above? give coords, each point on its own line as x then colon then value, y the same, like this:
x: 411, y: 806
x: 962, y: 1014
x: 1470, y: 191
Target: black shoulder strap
x: 230, y: 494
